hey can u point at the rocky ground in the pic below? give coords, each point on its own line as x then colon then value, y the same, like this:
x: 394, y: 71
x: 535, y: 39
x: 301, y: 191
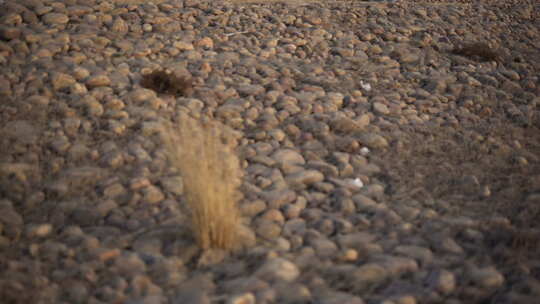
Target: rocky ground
x: 391, y: 151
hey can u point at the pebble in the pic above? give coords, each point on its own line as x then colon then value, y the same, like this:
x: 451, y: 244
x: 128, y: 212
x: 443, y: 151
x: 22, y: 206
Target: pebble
x: 98, y: 81
x: 287, y: 157
x: 268, y: 229
x: 443, y: 281
x: 424, y: 255
x: 246, y: 298
x: 380, y: 108
x: 487, y: 277
x: 278, y: 269
x: 305, y: 177
x: 55, y: 18
x: 373, y: 141
x: 368, y: 276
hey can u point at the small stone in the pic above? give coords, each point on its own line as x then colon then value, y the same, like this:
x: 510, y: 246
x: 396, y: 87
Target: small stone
x: 349, y: 255
x: 420, y: 253
x: 487, y: 277
x: 55, y: 18
x: 71, y: 125
x: 116, y: 127
x: 9, y: 33
x: 450, y: 245
x: 60, y: 145
x: 380, y: 108
x: 129, y: 265
x: 142, y: 95
x: 443, y: 281
x: 205, y: 42
x: 292, y: 211
x: 85, y: 216
x: 278, y: 269
x: 120, y: 26
x: 152, y: 195
x: 355, y: 240
x: 407, y: 299
x: 323, y: 247
x: 100, y: 80
x: 42, y: 230
x: 108, y: 254
x: 113, y: 159
x: 305, y: 177
x: 278, y: 198
x: 294, y: 227
x: 374, y: 141
x: 368, y: 276
x: 253, y: 208
x: 183, y: 45
x: 114, y: 190
x: 246, y: 298
x: 173, y: 184
x: 245, y: 236
x: 93, y: 107
x: 340, y: 298
x: 80, y: 73
x: 268, y: 229
x: 251, y: 89
x: 273, y: 215
x: 288, y: 157
x: 396, y: 266
x: 62, y: 81
x: 106, y: 206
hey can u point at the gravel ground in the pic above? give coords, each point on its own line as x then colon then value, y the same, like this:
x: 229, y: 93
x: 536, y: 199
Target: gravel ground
x: 382, y: 165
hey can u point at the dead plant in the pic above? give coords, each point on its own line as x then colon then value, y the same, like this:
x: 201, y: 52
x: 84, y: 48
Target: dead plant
x: 203, y: 152
x: 167, y: 83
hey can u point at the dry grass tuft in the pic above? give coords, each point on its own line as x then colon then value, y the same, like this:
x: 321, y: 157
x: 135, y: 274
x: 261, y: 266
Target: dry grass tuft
x: 167, y: 83
x: 203, y: 153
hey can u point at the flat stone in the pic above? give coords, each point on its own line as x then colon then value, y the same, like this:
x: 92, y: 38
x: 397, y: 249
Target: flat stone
x: 120, y: 26
x: 422, y: 254
x: 129, y: 265
x: 173, y: 184
x: 278, y: 269
x: 245, y: 298
x: 268, y: 229
x: 368, y: 276
x: 355, y: 240
x: 62, y: 81
x: 305, y: 177
x: 41, y: 230
x: 380, y: 108
x: 288, y: 157
x: 396, y: 266
x: 251, y: 89
x: 340, y: 298
x: 488, y: 277
x: 323, y: 247
x: 152, y: 195
x: 55, y: 18
x: 183, y: 45
x: 100, y: 80
x: 278, y: 198
x: 442, y: 281
x: 9, y: 33
x: 373, y: 140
